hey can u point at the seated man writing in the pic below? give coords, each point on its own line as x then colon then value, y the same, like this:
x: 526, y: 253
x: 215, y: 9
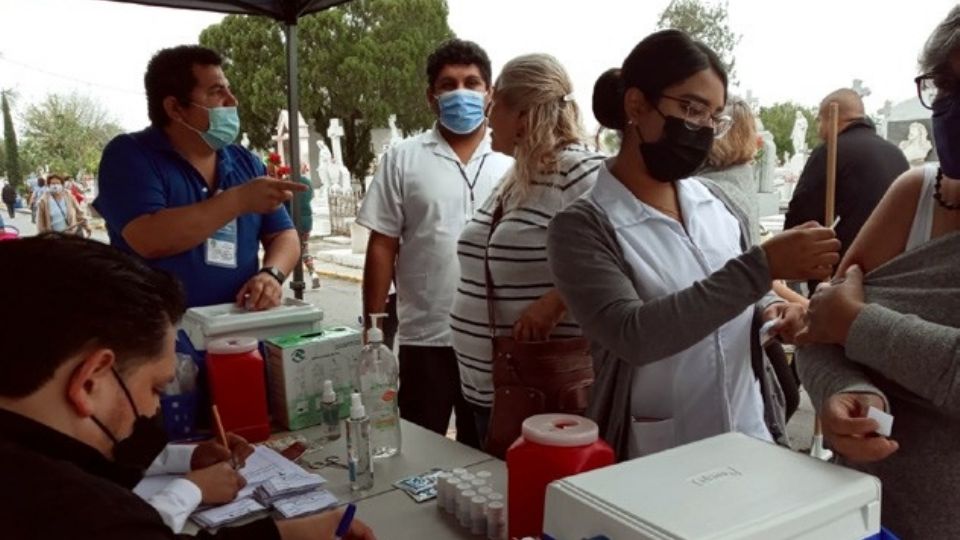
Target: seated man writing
x: 79, y: 398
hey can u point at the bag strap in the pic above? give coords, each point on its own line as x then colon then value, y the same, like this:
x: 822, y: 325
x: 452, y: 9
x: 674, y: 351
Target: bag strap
x: 491, y: 312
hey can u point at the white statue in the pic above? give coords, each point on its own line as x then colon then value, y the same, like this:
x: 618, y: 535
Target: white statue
x: 799, y: 135
x: 917, y: 146
x: 395, y: 136
x: 334, y: 176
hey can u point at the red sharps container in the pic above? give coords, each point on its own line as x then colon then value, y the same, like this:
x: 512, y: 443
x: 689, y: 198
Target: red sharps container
x: 235, y: 371
x: 551, y: 447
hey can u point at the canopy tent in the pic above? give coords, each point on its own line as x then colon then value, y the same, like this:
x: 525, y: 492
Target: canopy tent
x: 287, y: 12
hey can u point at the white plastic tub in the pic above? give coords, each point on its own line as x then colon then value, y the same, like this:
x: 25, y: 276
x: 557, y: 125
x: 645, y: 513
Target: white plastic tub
x: 204, y: 324
x: 726, y: 487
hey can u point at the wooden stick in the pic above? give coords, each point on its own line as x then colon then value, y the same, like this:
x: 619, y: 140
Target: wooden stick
x: 830, y: 202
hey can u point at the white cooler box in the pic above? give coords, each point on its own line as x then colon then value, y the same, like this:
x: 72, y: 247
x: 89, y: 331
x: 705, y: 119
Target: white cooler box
x: 204, y: 324
x: 725, y: 487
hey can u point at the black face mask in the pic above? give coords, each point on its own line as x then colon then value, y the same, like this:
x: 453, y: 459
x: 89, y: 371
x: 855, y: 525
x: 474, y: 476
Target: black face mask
x: 145, y: 442
x: 679, y: 152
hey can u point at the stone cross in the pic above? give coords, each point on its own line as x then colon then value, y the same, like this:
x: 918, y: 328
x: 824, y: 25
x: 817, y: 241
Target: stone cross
x: 279, y: 138
x: 752, y: 102
x: 335, y: 132
x: 860, y: 89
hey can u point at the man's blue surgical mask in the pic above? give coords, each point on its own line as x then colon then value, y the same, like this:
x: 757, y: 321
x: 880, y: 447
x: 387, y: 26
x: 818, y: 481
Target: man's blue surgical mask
x: 224, y: 126
x: 461, y: 111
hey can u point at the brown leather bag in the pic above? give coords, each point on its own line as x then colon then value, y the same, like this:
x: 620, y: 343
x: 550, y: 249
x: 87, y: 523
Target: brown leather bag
x: 531, y: 377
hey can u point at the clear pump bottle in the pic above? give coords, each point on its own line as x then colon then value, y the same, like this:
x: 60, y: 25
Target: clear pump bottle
x: 378, y: 380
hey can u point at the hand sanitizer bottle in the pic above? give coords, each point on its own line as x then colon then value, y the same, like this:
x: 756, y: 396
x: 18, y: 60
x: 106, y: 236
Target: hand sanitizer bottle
x: 379, y: 380
x: 359, y: 460
x: 330, y: 412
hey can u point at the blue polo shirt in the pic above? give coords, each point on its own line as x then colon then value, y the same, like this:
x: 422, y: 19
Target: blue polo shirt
x: 141, y: 173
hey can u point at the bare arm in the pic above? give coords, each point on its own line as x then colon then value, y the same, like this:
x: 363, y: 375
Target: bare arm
x: 282, y: 250
x: 378, y: 273
x: 884, y: 235
x: 175, y: 230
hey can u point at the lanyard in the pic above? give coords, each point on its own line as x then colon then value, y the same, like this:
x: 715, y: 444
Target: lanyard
x: 471, y: 185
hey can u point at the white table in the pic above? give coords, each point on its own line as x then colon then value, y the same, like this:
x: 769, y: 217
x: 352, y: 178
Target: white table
x: 389, y: 511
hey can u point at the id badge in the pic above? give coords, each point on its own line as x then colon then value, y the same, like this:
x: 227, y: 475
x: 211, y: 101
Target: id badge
x: 221, y: 248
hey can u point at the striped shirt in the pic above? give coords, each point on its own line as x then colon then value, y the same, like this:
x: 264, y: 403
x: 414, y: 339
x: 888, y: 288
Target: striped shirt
x: 518, y: 265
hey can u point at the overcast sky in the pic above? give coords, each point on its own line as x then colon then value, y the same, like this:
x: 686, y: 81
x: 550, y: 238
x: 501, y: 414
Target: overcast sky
x: 790, y: 50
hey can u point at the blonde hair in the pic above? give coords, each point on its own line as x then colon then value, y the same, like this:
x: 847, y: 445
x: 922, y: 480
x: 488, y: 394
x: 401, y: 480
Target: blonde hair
x: 539, y: 86
x: 739, y: 144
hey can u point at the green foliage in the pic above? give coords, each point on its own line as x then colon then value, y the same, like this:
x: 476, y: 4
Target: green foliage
x: 66, y: 133
x: 11, y: 155
x: 705, y: 22
x: 359, y: 62
x: 779, y: 118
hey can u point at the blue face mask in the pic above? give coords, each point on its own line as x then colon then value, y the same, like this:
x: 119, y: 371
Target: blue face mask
x: 946, y: 134
x: 224, y: 126
x: 461, y: 111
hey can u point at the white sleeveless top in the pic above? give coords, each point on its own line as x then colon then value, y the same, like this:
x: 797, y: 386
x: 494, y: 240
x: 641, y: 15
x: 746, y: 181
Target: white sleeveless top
x: 922, y: 226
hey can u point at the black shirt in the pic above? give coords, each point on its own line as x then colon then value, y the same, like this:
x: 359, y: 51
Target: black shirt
x: 60, y: 488
x: 866, y: 166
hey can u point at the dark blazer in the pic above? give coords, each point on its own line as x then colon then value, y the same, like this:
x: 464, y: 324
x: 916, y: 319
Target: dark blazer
x: 866, y: 166
x: 61, y: 488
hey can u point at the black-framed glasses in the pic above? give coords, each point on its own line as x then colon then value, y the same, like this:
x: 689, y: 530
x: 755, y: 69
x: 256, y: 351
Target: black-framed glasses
x: 697, y: 115
x: 927, y: 91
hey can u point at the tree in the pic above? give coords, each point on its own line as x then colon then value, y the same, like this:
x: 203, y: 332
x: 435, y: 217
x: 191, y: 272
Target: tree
x: 705, y: 22
x: 779, y: 118
x: 360, y: 62
x: 67, y: 133
x: 11, y: 155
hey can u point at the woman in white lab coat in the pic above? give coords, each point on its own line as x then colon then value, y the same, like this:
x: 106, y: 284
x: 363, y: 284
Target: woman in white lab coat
x: 657, y: 269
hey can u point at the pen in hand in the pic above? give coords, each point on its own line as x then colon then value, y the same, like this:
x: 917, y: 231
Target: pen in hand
x: 218, y: 424
x: 345, y: 522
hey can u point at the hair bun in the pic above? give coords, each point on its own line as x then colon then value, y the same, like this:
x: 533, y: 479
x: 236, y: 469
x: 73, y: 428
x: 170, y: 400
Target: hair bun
x: 608, y: 99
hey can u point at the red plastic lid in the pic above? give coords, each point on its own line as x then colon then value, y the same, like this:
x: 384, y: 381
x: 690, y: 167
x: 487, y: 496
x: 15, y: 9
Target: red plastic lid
x: 560, y: 430
x: 232, y: 345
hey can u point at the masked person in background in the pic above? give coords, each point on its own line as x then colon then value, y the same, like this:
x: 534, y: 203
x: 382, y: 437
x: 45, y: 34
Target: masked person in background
x: 183, y: 197
x: 79, y: 408
x: 658, y: 270
x: 424, y: 192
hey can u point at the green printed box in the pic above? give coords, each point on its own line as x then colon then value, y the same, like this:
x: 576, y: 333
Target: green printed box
x: 298, y: 364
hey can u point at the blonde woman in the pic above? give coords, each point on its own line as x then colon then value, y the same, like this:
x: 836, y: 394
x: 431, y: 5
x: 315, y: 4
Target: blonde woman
x: 730, y: 164
x: 534, y: 119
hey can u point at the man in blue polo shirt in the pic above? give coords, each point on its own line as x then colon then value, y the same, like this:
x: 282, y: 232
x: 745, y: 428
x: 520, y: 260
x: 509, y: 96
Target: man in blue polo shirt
x: 182, y: 196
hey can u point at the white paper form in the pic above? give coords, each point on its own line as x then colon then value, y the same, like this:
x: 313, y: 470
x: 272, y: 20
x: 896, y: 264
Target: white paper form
x: 306, y: 503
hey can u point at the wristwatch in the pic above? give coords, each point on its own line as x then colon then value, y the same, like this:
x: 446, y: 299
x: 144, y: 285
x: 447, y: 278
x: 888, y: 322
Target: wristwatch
x: 274, y: 272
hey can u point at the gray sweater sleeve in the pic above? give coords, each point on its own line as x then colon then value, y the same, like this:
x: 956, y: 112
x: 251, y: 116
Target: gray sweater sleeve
x: 921, y: 356
x: 825, y: 371
x: 594, y: 280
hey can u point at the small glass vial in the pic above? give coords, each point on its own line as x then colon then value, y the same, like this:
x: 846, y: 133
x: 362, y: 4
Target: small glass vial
x: 330, y: 412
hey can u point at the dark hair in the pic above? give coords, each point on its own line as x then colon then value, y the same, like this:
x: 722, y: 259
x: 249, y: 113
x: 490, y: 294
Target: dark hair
x: 662, y: 59
x: 942, y: 45
x: 170, y: 73
x: 458, y: 52
x: 99, y: 296
x: 41, y: 182
x: 54, y: 177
